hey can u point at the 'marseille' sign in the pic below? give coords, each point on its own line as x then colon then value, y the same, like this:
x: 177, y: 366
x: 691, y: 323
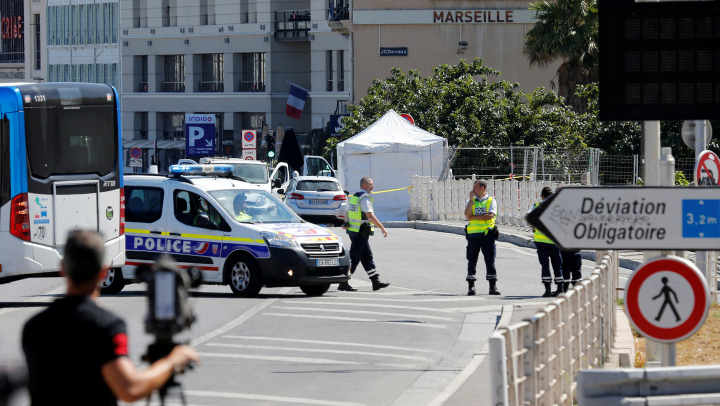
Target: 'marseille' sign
x: 482, y: 16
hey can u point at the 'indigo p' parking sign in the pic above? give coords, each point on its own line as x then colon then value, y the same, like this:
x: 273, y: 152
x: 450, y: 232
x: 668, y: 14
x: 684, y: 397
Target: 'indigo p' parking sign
x: 199, y: 134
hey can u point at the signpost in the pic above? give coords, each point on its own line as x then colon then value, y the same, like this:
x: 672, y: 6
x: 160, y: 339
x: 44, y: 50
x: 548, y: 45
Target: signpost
x: 249, y: 145
x: 707, y: 169
x: 667, y: 299
x: 200, y: 134
x: 249, y: 154
x: 688, y: 133
x: 135, y: 158
x: 647, y: 218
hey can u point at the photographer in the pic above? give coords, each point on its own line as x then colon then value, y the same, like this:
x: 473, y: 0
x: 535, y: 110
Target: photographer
x: 77, y: 352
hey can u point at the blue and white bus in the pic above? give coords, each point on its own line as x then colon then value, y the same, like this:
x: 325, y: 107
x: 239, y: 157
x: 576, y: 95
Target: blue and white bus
x: 60, y: 170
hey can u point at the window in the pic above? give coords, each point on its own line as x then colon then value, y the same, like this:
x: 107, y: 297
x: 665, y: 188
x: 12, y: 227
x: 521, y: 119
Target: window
x: 253, y: 72
x: 174, y: 73
x: 252, y: 173
x: 257, y: 206
x: 144, y: 204
x: 38, y: 66
x: 193, y: 210
x: 143, y: 85
x: 318, y: 186
x: 341, y: 71
x: 212, y: 73
x: 318, y: 167
x: 329, y: 71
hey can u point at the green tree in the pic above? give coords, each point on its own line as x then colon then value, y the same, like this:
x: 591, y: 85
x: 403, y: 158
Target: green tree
x: 566, y: 30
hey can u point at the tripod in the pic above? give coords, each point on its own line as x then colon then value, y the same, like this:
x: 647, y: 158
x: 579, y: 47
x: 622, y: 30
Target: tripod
x: 156, y: 351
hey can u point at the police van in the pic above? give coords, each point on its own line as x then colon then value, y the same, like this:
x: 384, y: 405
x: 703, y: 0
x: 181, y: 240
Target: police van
x: 234, y: 232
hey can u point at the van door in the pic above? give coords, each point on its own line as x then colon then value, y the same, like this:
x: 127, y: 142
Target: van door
x: 195, y: 233
x: 281, y: 172
x: 145, y: 226
x: 318, y: 166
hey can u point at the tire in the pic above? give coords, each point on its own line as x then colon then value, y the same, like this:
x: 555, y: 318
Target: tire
x: 113, y: 282
x: 315, y: 290
x: 243, y: 275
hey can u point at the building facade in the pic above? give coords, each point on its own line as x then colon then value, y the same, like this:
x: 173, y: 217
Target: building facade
x: 82, y: 41
x: 12, y: 40
x: 231, y: 58
x: 422, y: 34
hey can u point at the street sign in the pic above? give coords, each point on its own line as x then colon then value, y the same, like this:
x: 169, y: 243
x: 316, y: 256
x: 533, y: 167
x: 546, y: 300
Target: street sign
x: 408, y: 117
x: 620, y: 218
x: 658, y: 60
x: 136, y: 152
x: 707, y: 169
x: 249, y: 139
x: 249, y: 154
x: 200, y: 134
x: 667, y: 299
x: 688, y: 133
x: 136, y: 162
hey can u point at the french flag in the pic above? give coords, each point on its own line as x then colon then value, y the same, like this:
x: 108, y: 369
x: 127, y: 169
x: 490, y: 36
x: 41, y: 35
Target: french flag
x: 296, y: 101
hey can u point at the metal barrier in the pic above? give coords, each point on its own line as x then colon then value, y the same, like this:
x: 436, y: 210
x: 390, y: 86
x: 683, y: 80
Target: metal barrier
x: 536, y: 362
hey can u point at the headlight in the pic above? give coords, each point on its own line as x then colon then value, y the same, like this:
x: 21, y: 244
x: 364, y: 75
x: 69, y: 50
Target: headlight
x: 278, y: 240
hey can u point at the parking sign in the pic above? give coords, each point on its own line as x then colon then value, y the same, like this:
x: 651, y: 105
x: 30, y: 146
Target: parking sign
x: 200, y: 134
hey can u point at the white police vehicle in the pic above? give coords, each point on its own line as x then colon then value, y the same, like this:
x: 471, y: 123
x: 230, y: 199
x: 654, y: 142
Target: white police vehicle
x: 236, y: 233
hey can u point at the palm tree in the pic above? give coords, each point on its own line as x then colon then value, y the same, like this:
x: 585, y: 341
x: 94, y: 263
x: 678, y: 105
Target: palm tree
x: 567, y: 30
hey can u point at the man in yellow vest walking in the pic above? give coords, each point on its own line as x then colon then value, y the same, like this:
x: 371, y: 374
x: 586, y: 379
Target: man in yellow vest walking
x: 362, y: 223
x: 481, y: 234
x: 548, y: 252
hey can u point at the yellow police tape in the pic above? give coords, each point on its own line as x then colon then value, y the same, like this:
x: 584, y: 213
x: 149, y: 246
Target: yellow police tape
x: 393, y: 190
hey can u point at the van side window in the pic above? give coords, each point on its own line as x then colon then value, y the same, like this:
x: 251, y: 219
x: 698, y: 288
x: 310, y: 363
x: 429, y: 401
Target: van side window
x: 194, y: 210
x: 144, y: 204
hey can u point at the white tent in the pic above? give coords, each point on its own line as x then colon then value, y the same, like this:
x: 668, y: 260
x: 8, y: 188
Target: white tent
x: 390, y: 152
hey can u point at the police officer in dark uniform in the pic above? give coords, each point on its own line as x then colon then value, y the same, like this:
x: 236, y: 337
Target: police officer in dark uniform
x: 548, y: 253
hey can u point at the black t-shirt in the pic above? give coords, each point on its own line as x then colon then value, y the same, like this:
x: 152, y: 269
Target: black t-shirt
x: 66, y: 345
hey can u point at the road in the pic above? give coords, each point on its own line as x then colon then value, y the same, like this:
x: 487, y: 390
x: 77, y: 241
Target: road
x: 399, y: 346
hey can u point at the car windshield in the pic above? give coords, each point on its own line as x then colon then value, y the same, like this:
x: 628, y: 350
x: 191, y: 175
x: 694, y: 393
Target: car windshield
x: 318, y: 185
x: 250, y: 172
x: 255, y: 206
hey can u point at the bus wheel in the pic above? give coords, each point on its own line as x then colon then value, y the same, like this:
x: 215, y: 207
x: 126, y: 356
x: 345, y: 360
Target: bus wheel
x: 315, y: 290
x: 244, y: 276
x: 113, y: 282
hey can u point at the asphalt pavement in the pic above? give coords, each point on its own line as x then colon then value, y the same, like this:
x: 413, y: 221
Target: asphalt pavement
x: 404, y: 345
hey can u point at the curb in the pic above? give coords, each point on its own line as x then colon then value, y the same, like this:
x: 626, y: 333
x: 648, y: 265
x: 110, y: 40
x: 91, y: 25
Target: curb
x: 517, y: 239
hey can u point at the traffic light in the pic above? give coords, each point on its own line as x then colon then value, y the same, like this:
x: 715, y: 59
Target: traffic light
x: 270, y: 144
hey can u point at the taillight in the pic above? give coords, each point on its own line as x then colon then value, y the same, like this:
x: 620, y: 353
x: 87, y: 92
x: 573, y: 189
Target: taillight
x: 340, y: 197
x: 122, y: 211
x: 296, y: 196
x: 20, y: 217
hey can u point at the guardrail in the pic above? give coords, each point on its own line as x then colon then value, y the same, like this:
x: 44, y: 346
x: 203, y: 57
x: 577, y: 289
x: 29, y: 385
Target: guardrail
x: 435, y: 200
x: 536, y: 362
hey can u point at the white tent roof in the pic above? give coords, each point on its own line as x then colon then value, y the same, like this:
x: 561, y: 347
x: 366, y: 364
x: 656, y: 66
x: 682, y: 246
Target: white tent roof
x: 391, y: 133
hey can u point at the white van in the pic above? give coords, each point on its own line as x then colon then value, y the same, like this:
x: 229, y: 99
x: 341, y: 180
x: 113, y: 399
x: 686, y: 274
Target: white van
x: 236, y: 233
x: 313, y: 166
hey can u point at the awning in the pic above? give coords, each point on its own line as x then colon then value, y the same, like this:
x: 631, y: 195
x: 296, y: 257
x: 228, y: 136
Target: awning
x: 147, y: 144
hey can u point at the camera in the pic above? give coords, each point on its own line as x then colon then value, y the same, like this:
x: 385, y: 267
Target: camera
x: 169, y: 310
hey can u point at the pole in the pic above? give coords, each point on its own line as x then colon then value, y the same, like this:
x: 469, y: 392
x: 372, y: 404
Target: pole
x: 701, y: 257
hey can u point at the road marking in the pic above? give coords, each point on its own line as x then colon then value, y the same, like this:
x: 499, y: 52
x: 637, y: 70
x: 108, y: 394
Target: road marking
x: 48, y: 297
x: 307, y: 316
x: 299, y: 360
x: 313, y: 309
x: 269, y: 398
x: 374, y: 293
x: 426, y: 309
x: 297, y: 340
x: 376, y: 299
x: 295, y: 349
x: 238, y: 321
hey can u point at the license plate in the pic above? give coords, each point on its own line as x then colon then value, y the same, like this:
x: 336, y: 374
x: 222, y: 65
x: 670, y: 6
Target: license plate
x: 318, y: 202
x: 327, y: 262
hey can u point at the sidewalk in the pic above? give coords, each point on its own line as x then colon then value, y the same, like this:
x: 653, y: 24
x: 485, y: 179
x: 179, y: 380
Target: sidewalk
x: 518, y: 235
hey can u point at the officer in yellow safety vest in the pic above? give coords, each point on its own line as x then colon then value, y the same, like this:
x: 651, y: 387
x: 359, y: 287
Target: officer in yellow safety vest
x: 548, y: 252
x: 361, y: 225
x: 240, y: 207
x: 481, y: 234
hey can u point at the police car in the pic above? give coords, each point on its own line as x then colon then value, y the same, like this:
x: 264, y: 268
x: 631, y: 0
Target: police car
x: 235, y: 232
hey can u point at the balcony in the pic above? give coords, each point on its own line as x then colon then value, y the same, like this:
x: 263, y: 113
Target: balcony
x: 339, y: 12
x: 211, y: 86
x: 251, y: 86
x: 292, y: 25
x: 143, y: 87
x: 172, y: 87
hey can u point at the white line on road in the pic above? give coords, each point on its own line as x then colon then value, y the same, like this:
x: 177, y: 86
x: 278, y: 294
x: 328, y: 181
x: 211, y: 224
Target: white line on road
x: 299, y: 360
x: 296, y: 349
x: 307, y: 316
x: 296, y: 340
x: 313, y: 309
x: 269, y: 398
x: 376, y: 299
x: 425, y: 309
x: 238, y: 321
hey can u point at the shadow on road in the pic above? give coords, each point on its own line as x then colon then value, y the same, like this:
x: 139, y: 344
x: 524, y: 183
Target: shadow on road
x: 6, y: 305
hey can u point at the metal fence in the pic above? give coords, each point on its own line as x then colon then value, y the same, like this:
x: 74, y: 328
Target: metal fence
x: 536, y: 362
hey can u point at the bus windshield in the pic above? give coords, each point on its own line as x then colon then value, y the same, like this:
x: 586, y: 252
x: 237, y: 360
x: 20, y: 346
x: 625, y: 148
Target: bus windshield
x: 254, y: 206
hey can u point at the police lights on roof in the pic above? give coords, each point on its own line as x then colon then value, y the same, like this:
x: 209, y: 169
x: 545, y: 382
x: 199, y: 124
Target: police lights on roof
x: 204, y: 170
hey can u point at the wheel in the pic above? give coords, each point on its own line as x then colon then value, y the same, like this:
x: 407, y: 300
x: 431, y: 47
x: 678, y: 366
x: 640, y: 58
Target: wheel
x: 113, y: 282
x: 244, y: 276
x: 315, y: 290
x: 338, y: 223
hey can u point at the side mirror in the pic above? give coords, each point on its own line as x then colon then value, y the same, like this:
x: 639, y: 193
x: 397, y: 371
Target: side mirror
x: 346, y: 193
x: 280, y: 191
x: 276, y: 183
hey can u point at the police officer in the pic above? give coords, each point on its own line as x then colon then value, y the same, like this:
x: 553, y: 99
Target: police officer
x: 361, y: 226
x: 548, y: 252
x: 481, y: 234
x: 571, y: 266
